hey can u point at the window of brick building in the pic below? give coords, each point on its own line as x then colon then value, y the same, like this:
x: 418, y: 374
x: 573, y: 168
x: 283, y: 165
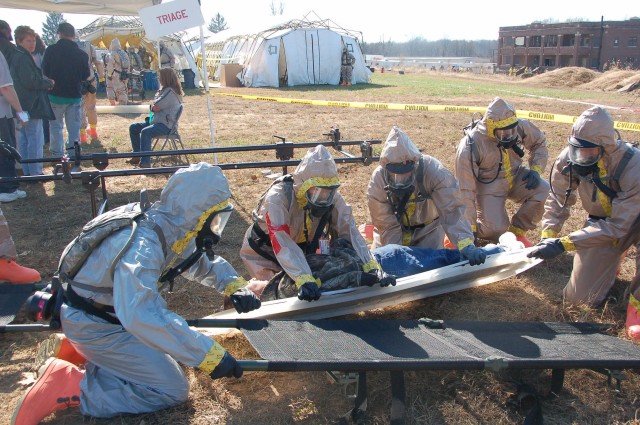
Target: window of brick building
x: 633, y: 42
x: 550, y: 41
x: 585, y: 40
x: 568, y: 40
x: 535, y: 41
x: 616, y: 42
x: 507, y: 41
x: 519, y: 41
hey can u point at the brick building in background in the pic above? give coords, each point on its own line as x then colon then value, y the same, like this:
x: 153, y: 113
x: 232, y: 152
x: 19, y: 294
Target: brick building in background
x: 594, y: 45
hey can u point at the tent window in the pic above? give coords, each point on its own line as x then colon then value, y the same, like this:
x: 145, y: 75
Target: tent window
x: 273, y: 50
x: 349, y: 47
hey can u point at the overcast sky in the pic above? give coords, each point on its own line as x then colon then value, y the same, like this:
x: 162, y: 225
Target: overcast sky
x: 395, y: 20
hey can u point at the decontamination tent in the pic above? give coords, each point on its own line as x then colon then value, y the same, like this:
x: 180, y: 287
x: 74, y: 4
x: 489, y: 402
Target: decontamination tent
x: 130, y: 32
x: 300, y: 52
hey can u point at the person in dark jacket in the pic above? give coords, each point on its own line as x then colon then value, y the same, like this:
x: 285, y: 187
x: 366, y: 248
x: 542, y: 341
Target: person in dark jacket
x: 7, y: 48
x: 68, y: 66
x: 32, y: 90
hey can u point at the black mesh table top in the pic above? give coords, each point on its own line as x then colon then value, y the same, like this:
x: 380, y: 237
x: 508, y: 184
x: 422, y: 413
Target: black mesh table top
x: 410, y: 344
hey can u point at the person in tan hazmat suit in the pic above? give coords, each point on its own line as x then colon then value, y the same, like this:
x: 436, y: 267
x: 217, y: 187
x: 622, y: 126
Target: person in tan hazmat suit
x: 490, y: 170
x: 292, y: 217
x: 414, y: 200
x: 605, y: 173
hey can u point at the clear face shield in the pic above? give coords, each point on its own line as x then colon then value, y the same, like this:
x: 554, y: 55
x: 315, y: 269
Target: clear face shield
x: 220, y: 219
x: 400, y: 181
x: 508, y: 136
x: 320, y: 197
x: 585, y: 157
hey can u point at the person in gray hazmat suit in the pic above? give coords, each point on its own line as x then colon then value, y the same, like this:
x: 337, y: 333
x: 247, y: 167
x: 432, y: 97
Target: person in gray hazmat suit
x: 414, y: 200
x: 295, y: 217
x: 490, y: 170
x: 605, y: 173
x: 132, y: 350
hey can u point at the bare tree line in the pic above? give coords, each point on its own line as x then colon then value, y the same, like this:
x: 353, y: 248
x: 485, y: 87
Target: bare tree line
x: 419, y: 47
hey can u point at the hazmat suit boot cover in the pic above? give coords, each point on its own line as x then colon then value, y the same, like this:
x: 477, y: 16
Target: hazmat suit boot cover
x: 12, y: 272
x: 58, y: 346
x: 57, y: 388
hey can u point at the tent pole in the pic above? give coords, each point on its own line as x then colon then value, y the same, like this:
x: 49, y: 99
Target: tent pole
x: 205, y: 73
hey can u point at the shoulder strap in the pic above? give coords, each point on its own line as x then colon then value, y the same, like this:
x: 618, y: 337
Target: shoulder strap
x: 622, y: 164
x: 420, y: 180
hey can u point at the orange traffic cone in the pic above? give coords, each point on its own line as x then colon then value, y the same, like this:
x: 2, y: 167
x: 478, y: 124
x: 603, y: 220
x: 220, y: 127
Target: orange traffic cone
x: 57, y: 388
x: 58, y: 346
x: 12, y: 272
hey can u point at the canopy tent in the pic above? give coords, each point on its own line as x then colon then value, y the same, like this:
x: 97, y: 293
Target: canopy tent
x: 94, y: 7
x: 299, y: 52
x: 130, y: 32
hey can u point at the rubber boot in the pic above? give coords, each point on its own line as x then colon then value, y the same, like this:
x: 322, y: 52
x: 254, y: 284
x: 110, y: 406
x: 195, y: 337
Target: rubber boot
x: 633, y: 319
x: 93, y: 132
x: 520, y: 236
x: 12, y: 272
x: 83, y: 136
x: 58, y: 346
x: 57, y: 388
x: 447, y: 243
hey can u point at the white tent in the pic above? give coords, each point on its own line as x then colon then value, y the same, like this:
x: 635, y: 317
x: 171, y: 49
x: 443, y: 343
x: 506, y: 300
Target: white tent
x: 95, y: 7
x: 299, y: 52
x: 130, y: 31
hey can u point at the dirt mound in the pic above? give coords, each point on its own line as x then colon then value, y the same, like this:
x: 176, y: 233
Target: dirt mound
x: 613, y: 80
x: 565, y: 77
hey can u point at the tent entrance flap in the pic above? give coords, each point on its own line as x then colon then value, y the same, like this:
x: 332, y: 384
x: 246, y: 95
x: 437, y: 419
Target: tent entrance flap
x: 282, y: 66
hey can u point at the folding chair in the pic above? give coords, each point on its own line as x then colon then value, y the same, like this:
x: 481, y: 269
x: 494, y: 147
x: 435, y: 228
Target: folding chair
x: 173, y: 141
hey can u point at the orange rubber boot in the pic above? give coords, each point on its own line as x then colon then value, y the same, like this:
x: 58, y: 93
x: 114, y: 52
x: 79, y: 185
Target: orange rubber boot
x: 57, y: 388
x: 633, y: 319
x: 93, y: 133
x: 83, y: 136
x: 526, y: 242
x: 448, y: 244
x: 58, y: 346
x: 12, y: 272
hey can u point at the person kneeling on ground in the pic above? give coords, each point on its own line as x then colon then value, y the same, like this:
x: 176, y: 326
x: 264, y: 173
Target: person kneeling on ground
x: 415, y: 201
x: 605, y: 173
x: 298, y: 215
x: 116, y: 319
x: 164, y: 111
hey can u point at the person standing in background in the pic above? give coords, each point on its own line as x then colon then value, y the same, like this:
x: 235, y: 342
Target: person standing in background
x: 89, y: 89
x: 68, y: 66
x: 32, y: 89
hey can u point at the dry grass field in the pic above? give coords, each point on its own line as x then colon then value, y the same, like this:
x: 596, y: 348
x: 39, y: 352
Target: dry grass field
x: 53, y: 213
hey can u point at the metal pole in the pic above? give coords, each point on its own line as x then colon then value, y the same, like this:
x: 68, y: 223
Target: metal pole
x: 205, y: 72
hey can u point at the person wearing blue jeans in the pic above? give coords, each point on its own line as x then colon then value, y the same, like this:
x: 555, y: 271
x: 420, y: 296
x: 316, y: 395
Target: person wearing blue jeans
x: 165, y: 110
x: 141, y: 134
x: 69, y: 114
x: 68, y: 67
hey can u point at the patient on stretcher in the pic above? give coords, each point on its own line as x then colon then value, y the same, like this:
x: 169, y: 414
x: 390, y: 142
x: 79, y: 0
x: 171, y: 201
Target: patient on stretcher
x: 342, y: 268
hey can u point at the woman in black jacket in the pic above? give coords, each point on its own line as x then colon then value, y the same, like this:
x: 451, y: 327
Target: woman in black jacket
x: 32, y: 90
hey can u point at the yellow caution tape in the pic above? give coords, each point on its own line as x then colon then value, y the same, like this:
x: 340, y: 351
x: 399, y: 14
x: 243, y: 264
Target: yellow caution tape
x: 530, y: 115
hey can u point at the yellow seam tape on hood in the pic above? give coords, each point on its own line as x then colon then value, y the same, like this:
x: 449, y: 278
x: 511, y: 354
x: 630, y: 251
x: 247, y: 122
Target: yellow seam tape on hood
x: 493, y: 125
x: 181, y: 244
x: 212, y: 358
x: 314, y: 182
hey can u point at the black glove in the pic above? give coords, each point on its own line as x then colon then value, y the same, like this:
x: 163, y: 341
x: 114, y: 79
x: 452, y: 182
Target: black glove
x: 244, y: 300
x: 227, y: 368
x: 369, y: 279
x: 385, y: 278
x: 309, y: 291
x: 475, y: 255
x: 532, y: 178
x: 547, y: 249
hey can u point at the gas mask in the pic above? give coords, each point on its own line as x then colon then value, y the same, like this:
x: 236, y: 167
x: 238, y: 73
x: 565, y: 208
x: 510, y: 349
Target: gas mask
x: 211, y: 231
x: 507, y: 137
x: 400, y: 178
x: 584, y: 156
x: 320, y: 199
